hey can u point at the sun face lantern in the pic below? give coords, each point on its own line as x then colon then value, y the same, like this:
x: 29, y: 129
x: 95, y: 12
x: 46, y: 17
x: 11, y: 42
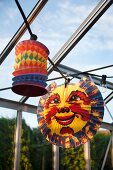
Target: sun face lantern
x: 69, y: 116
x: 30, y: 66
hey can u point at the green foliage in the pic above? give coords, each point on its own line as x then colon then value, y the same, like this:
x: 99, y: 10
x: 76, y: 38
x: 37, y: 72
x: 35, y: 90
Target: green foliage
x: 42, y: 150
x: 7, y: 128
x: 36, y: 151
x: 25, y: 163
x: 98, y: 149
x: 73, y: 159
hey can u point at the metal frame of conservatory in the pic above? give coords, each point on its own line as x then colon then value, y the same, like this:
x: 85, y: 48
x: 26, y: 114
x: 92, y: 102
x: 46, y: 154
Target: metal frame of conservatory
x: 20, y: 106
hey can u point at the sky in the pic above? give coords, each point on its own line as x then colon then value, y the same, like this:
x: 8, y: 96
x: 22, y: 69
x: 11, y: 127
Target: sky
x: 55, y: 24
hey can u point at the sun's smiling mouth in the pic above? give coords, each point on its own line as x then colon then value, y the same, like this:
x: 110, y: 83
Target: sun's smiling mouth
x: 65, y: 120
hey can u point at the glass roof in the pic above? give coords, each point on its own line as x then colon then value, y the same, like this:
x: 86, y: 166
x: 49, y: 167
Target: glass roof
x: 95, y: 49
x: 54, y: 25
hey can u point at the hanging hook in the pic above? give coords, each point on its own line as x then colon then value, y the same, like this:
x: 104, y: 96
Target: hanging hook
x: 67, y: 81
x: 33, y: 37
x: 103, y: 81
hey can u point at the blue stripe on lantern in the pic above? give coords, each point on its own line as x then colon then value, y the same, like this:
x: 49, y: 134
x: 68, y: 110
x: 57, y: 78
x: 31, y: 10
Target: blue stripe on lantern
x: 36, y: 79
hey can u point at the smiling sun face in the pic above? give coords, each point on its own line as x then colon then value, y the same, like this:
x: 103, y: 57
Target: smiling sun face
x: 66, y: 110
x: 70, y: 116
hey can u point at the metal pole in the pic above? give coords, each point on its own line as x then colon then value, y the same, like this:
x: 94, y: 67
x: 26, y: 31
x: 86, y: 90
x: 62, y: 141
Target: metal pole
x: 87, y: 155
x: 105, y: 157
x: 109, y: 97
x: 55, y: 157
x: 18, y: 140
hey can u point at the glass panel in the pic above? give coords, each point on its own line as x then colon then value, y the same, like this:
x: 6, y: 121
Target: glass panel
x: 58, y: 21
x: 95, y: 49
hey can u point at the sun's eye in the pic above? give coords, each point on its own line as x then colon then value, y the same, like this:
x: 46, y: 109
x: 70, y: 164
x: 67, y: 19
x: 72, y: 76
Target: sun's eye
x: 55, y: 100
x: 73, y: 98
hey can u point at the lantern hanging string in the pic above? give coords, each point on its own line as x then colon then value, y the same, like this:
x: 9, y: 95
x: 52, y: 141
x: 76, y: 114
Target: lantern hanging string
x: 34, y: 37
x: 87, y: 72
x: 57, y: 69
x: 7, y: 88
x: 96, y: 69
x: 76, y: 75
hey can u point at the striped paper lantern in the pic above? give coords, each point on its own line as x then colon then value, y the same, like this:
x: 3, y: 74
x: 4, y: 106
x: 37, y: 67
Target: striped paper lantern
x: 30, y: 68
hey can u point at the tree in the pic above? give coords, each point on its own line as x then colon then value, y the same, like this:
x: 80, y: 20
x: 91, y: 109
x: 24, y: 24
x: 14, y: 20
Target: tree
x: 35, y: 150
x: 73, y: 159
x: 98, y: 149
x: 25, y: 163
x: 7, y: 127
x: 41, y: 150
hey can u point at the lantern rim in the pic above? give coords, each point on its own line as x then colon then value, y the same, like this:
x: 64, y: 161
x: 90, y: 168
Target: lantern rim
x: 30, y: 90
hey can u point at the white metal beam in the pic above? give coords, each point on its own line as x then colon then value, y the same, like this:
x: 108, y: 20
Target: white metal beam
x: 55, y: 157
x: 18, y: 140
x: 10, y: 104
x: 87, y: 155
x: 106, y: 154
x: 106, y: 125
x: 109, y: 97
x: 68, y: 70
